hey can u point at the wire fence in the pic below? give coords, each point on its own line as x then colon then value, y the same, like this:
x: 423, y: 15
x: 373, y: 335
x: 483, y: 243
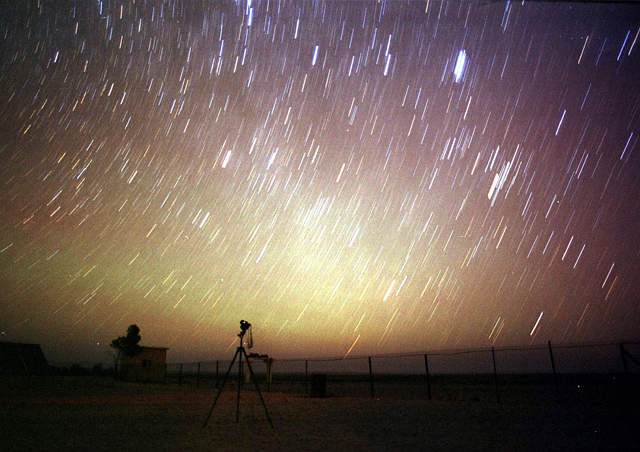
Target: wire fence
x: 497, y: 373
x: 477, y: 374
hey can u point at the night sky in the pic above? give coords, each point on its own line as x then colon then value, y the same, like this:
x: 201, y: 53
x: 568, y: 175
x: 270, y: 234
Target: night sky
x: 350, y: 177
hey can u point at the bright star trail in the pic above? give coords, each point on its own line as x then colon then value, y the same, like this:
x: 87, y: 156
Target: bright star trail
x: 350, y: 177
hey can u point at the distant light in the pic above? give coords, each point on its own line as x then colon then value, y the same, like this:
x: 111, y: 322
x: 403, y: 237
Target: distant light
x: 386, y: 64
x: 621, y: 48
x: 494, y: 184
x: 226, y: 159
x: 460, y: 65
x: 560, y: 123
x: 536, y: 325
x: 204, y: 220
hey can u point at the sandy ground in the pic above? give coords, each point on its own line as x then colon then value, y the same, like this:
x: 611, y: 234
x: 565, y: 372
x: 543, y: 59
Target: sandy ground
x: 84, y: 413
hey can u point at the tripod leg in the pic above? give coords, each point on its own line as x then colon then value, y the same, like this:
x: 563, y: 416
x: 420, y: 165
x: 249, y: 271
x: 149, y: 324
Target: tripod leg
x: 255, y: 383
x: 224, y: 380
x: 240, y: 350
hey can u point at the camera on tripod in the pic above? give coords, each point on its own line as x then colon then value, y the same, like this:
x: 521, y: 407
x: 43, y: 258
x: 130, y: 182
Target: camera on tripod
x: 244, y: 326
x: 240, y: 354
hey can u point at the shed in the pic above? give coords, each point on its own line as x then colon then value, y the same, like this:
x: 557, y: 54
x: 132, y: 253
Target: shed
x: 22, y: 359
x: 148, y: 365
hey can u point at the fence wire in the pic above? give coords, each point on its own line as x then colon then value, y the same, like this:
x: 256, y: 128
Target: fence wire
x: 474, y: 374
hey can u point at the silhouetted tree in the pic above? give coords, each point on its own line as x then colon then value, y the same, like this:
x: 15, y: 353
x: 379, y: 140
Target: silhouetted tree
x: 128, y: 344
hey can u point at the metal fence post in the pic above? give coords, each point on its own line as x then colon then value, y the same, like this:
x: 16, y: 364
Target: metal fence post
x: 426, y: 370
x: 553, y: 367
x: 373, y: 390
x: 495, y: 373
x: 269, y: 363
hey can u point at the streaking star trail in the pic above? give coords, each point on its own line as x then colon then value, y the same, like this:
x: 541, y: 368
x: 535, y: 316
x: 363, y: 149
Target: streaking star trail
x: 354, y: 177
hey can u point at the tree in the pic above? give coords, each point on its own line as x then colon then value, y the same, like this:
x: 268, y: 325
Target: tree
x: 128, y: 344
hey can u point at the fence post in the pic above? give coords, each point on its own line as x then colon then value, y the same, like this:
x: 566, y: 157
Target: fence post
x: 495, y: 373
x: 426, y: 370
x: 198, y: 376
x: 373, y: 390
x: 623, y: 354
x: 269, y: 363
x: 553, y: 367
x: 180, y: 375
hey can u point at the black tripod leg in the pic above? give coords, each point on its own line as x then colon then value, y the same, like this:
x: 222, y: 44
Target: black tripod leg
x: 255, y: 383
x: 239, y: 384
x: 224, y: 380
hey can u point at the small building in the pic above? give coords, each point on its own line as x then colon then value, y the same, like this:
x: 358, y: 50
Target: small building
x: 22, y: 359
x: 148, y: 365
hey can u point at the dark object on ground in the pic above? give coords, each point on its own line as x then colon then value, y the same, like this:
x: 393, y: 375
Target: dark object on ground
x: 22, y: 359
x: 149, y: 364
x: 240, y: 352
x: 318, y: 385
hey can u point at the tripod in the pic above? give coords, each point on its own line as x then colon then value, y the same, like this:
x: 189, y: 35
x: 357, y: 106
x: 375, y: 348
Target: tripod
x: 240, y: 352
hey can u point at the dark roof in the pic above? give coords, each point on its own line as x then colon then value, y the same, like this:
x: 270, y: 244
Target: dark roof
x: 22, y: 359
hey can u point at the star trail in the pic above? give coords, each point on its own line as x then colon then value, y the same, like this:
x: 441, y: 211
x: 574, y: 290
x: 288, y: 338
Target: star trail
x: 351, y: 177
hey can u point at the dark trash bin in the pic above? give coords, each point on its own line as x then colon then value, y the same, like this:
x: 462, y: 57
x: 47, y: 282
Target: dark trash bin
x: 318, y: 385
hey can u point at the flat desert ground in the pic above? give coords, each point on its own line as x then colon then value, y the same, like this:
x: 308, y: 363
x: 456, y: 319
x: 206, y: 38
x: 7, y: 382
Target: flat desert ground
x: 98, y: 413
